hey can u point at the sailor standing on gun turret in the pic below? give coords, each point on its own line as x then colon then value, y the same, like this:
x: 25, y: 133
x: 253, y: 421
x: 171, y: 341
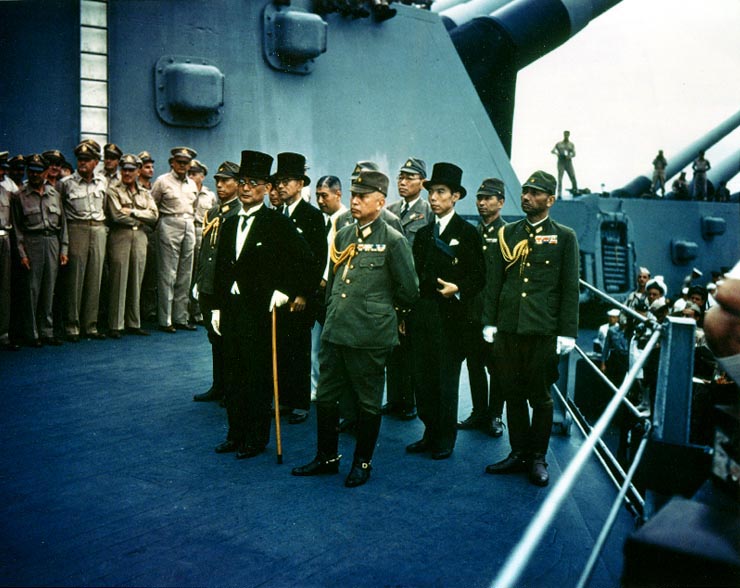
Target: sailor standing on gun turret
x: 566, y: 151
x: 531, y: 307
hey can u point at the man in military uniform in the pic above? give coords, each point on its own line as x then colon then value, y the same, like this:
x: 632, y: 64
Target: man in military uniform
x: 41, y: 235
x: 175, y: 195
x: 700, y: 166
x: 296, y: 320
x: 346, y: 217
x: 488, y: 405
x: 5, y: 180
x: 55, y: 159
x: 531, y: 308
x: 261, y: 263
x: 6, y: 227
x: 414, y: 212
x: 111, y: 159
x: 130, y: 208
x: 83, y: 195
x: 451, y: 269
x: 227, y: 188
x: 659, y: 165
x: 372, y: 274
x: 566, y: 151
x: 17, y: 170
x: 148, y: 299
x: 204, y: 202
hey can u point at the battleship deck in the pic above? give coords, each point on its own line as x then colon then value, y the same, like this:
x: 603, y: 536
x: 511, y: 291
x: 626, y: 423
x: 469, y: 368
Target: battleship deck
x: 108, y: 478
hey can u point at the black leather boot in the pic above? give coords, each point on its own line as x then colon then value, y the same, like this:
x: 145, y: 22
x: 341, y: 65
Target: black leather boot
x: 327, y: 457
x: 359, y: 474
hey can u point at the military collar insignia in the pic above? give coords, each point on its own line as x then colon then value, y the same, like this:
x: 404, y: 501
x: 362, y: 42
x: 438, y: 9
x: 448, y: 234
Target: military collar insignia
x: 366, y: 232
x: 226, y: 208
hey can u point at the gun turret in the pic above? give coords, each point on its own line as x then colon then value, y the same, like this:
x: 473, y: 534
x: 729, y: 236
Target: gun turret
x: 494, y: 48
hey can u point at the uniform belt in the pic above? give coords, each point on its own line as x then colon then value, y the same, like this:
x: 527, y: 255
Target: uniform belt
x: 86, y: 222
x: 45, y: 232
x: 127, y: 227
x: 184, y: 215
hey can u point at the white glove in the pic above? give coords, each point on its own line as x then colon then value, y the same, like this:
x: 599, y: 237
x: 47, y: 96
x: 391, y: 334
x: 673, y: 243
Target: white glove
x: 195, y: 292
x: 489, y: 333
x: 565, y: 345
x: 278, y: 299
x: 216, y: 321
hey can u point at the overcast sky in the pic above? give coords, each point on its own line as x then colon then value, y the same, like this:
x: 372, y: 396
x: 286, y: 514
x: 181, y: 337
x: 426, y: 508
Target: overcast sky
x: 646, y: 75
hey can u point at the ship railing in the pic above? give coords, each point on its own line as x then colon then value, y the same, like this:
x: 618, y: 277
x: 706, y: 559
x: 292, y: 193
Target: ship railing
x: 675, y: 336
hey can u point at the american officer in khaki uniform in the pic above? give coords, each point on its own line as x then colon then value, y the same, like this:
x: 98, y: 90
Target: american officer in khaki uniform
x: 227, y: 187
x: 531, y: 309
x: 372, y: 275
x: 175, y: 195
x: 130, y: 208
x: 83, y: 196
x: 41, y: 234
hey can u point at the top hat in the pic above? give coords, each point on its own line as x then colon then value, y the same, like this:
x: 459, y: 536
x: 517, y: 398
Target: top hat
x: 414, y: 165
x: 541, y: 180
x: 491, y: 187
x: 228, y: 169
x: 292, y: 165
x: 370, y: 181
x: 255, y: 165
x: 449, y: 175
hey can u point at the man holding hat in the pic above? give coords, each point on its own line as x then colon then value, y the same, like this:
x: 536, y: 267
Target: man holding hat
x: 449, y: 262
x: 83, y: 195
x: 41, y: 235
x: 130, y: 208
x: 296, y: 320
x: 531, y: 308
x: 227, y: 188
x: 371, y: 276
x: 261, y: 263
x: 488, y: 405
x: 175, y: 194
x: 413, y: 212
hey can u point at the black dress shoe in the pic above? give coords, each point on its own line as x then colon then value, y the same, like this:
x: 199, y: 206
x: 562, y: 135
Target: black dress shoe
x: 246, y: 451
x: 209, y: 396
x: 538, y: 473
x: 185, y: 327
x: 52, y: 341
x: 320, y: 465
x: 114, y: 334
x: 419, y: 446
x: 514, y: 462
x: 442, y: 454
x: 496, y: 428
x: 472, y: 422
x: 407, y: 414
x: 97, y: 336
x: 138, y: 331
x: 167, y: 328
x: 296, y: 418
x: 227, y: 446
x: 359, y: 474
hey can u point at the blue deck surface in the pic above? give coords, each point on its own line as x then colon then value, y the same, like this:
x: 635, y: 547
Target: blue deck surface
x: 108, y: 478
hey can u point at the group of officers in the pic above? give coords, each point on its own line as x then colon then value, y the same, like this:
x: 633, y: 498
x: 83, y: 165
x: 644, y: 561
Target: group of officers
x: 404, y: 293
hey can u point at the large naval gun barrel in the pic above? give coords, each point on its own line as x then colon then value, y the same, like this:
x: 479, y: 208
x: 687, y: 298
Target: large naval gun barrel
x: 725, y: 170
x: 494, y: 48
x: 641, y: 184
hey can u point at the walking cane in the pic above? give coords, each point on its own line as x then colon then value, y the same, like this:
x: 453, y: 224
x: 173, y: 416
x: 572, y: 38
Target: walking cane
x: 275, y: 393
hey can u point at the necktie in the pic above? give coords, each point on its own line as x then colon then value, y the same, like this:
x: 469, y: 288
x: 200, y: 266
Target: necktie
x: 404, y: 209
x: 245, y: 220
x: 436, y: 230
x: 286, y: 212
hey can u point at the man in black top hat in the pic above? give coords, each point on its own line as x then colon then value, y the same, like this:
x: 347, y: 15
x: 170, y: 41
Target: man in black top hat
x: 261, y: 263
x: 296, y: 320
x: 451, y: 269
